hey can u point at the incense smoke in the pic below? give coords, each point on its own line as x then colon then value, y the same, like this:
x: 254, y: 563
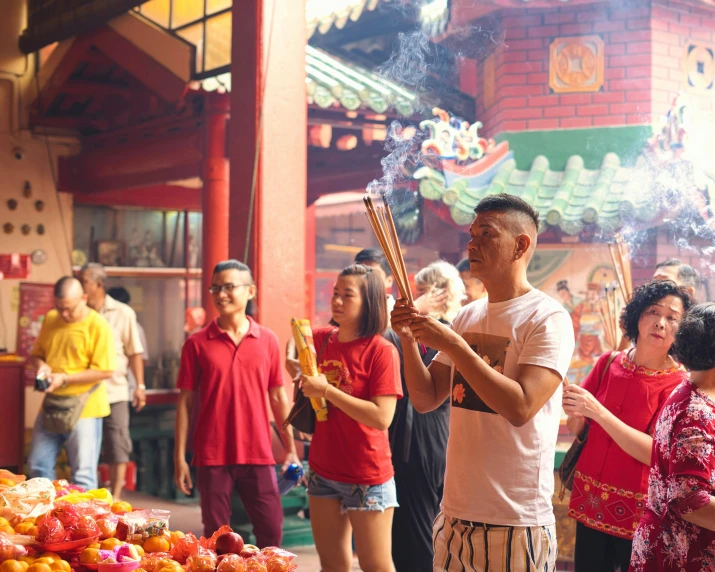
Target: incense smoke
x: 427, y: 69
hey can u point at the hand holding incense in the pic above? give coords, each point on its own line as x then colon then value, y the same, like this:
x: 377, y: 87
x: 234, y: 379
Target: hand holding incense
x: 303, y: 336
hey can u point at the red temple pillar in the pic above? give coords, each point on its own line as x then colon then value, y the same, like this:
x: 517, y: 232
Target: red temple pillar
x: 269, y: 116
x: 310, y: 260
x: 215, y: 196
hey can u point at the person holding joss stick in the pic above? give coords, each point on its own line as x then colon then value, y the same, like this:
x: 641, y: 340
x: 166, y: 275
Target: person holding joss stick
x: 501, y: 364
x: 351, y: 484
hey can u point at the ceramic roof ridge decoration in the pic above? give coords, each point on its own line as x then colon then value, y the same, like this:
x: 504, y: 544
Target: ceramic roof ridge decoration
x: 322, y: 15
x: 459, y: 168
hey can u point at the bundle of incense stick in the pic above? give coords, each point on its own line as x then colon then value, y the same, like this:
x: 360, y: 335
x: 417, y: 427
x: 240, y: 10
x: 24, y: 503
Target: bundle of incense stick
x: 608, y: 312
x: 303, y: 337
x: 622, y: 264
x: 383, y: 225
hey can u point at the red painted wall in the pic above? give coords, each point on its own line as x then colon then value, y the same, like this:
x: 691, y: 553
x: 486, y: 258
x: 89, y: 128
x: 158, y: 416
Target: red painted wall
x: 644, y: 53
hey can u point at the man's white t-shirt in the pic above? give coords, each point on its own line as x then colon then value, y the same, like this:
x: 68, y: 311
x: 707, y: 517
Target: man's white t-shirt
x: 498, y: 473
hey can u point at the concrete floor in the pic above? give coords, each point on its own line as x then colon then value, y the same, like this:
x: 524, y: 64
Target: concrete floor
x: 187, y: 518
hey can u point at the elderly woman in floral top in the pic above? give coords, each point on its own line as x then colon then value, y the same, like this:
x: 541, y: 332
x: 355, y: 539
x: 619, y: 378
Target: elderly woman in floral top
x: 621, y: 399
x: 677, y: 531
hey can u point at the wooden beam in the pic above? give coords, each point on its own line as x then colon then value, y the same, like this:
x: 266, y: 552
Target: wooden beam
x: 140, y: 65
x: 133, y: 163
x: 164, y: 197
x: 54, y: 84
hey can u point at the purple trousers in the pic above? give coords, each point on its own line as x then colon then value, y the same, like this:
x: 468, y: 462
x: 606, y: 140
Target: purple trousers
x: 258, y: 488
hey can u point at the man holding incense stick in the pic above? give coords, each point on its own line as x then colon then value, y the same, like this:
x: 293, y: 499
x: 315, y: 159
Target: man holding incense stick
x: 502, y: 364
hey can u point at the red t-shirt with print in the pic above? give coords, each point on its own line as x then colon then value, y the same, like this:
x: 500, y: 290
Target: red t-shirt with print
x: 343, y: 449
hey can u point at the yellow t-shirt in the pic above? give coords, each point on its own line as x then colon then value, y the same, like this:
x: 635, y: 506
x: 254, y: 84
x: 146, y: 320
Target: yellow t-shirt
x: 76, y: 347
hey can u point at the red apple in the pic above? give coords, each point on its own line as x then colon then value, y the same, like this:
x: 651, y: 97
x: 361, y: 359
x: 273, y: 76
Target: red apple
x: 249, y: 551
x: 229, y: 543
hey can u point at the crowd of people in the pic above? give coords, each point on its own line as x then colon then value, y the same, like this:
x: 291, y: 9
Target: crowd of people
x: 443, y: 415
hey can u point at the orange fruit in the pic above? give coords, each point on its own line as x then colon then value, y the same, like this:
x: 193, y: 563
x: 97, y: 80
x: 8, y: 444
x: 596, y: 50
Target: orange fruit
x: 156, y: 544
x: 52, y: 555
x: 44, y: 560
x: 110, y: 543
x: 33, y: 531
x: 120, y: 507
x: 4, y: 522
x: 23, y: 527
x: 24, y: 565
x: 7, y: 529
x: 39, y: 568
x: 27, y: 559
x: 175, y: 535
x: 12, y: 566
x: 94, y: 545
x: 89, y: 556
x: 61, y: 566
x: 139, y: 549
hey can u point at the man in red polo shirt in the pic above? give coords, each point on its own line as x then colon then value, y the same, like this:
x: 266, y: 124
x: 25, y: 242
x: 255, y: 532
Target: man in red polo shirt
x: 235, y: 363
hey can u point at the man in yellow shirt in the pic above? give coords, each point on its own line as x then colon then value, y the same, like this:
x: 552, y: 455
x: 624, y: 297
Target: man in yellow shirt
x: 75, y: 351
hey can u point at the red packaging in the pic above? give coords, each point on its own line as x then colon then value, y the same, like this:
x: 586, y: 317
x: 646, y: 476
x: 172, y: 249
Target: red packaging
x: 231, y: 563
x: 210, y: 543
x: 86, y: 527
x: 187, y: 546
x: 205, y: 562
x: 50, y: 531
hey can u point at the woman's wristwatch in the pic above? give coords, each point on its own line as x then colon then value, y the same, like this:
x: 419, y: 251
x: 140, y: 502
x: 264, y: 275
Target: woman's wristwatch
x: 142, y: 387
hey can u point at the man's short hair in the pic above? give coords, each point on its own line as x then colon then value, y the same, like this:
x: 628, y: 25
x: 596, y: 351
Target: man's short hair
x: 96, y: 271
x: 368, y: 256
x: 65, y: 285
x: 687, y: 275
x: 504, y: 202
x: 120, y: 294
x: 232, y: 265
x: 463, y: 265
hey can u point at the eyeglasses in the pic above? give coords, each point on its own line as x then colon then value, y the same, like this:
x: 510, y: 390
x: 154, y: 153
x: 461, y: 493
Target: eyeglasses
x: 226, y: 288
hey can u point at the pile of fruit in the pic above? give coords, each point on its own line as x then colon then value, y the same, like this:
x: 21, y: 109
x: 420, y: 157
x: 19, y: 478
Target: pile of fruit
x: 85, y: 531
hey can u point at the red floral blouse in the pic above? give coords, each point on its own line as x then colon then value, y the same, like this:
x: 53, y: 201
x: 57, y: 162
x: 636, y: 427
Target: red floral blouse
x: 682, y: 478
x: 610, y: 487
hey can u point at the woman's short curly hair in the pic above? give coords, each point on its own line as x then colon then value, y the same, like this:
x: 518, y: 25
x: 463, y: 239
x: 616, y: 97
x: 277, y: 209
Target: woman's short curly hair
x: 695, y: 339
x: 644, y: 296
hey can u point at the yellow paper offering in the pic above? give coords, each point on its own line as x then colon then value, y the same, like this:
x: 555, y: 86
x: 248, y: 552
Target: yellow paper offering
x: 303, y: 336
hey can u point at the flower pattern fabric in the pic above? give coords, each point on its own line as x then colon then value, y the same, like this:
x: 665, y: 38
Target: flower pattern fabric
x: 681, y: 480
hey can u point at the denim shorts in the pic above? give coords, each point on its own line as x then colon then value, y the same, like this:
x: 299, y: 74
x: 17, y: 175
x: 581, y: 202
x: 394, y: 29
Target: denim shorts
x: 354, y: 497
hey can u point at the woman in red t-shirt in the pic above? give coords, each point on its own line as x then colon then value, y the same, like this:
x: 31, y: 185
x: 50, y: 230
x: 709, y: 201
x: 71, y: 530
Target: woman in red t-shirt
x: 621, y: 405
x: 351, y: 486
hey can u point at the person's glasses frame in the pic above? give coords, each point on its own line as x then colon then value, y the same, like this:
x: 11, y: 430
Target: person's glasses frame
x: 225, y: 288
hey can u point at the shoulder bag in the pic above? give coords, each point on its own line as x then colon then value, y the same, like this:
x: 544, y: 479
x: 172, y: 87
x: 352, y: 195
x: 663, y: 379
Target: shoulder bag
x: 302, y: 415
x: 567, y: 470
x: 60, y: 413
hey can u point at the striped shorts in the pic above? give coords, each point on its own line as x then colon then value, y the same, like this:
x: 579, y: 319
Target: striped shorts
x: 461, y: 546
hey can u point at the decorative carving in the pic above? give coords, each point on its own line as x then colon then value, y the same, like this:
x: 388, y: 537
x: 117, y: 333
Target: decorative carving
x: 453, y: 138
x: 454, y: 162
x: 699, y: 68
x: 576, y: 64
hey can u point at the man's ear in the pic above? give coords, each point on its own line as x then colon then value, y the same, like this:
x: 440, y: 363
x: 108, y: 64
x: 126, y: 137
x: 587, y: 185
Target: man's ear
x: 523, y: 243
x: 389, y: 281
